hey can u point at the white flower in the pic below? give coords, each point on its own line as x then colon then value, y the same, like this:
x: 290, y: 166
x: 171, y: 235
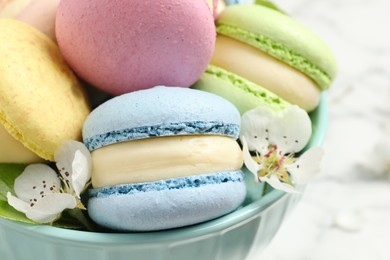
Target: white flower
x: 42, y: 194
x: 275, y: 137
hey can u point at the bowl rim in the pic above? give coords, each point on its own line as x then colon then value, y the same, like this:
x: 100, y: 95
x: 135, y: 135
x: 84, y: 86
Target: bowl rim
x: 221, y: 224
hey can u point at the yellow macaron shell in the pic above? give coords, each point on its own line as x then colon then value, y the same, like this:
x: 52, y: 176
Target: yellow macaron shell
x: 42, y: 104
x: 12, y: 151
x: 266, y: 71
x: 154, y: 159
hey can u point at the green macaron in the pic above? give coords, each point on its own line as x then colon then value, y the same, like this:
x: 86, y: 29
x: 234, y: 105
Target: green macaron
x: 299, y: 64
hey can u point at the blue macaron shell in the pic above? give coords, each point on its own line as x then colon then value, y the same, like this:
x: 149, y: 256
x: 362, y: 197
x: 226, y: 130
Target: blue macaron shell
x: 234, y: 2
x: 160, y: 111
x: 168, y: 203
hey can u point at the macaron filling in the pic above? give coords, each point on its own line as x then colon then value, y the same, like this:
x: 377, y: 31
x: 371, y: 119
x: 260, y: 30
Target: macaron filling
x: 169, y: 184
x: 160, y: 158
x: 169, y: 129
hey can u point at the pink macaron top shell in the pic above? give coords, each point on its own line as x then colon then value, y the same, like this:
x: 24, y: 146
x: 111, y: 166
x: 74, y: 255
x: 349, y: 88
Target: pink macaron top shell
x: 126, y: 45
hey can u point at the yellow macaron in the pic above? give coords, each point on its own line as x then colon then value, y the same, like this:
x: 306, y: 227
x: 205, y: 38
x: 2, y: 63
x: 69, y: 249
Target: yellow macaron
x: 42, y: 103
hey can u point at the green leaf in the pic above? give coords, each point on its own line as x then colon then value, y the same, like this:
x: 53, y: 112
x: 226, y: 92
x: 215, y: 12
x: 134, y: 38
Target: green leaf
x: 69, y: 222
x: 8, y: 174
x: 269, y: 4
x: 8, y: 212
x: 76, y: 219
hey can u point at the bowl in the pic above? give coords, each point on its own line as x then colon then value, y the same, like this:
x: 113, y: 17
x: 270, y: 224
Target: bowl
x: 239, y: 235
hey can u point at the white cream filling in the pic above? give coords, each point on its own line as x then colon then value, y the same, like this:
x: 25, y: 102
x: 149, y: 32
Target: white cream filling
x: 160, y: 158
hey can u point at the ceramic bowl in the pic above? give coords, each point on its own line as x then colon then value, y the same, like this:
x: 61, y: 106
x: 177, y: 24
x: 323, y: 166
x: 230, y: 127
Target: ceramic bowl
x: 239, y: 235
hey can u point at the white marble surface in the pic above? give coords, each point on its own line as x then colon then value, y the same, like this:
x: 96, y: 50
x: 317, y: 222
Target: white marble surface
x: 345, y: 212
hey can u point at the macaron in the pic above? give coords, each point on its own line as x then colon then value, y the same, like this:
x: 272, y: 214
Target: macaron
x: 10, y: 8
x: 273, y: 51
x: 235, y: 2
x: 42, y: 103
x: 127, y: 45
x: 163, y: 158
x: 220, y: 4
x: 40, y: 14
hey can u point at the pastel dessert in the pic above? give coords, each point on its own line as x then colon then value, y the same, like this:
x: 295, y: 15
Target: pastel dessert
x: 220, y: 5
x: 136, y: 45
x: 42, y: 104
x: 10, y: 8
x: 40, y: 14
x: 163, y: 158
x: 235, y: 2
x: 265, y: 55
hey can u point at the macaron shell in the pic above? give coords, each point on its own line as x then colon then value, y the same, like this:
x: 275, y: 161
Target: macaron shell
x: 282, y: 37
x: 40, y: 14
x: 13, y: 151
x: 158, y: 207
x: 42, y: 104
x: 244, y: 94
x: 220, y: 5
x: 126, y: 45
x: 235, y: 2
x: 160, y: 111
x: 10, y: 8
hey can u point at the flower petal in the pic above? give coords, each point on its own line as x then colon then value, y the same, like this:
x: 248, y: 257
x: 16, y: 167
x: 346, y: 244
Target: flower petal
x: 250, y: 164
x: 82, y: 168
x: 17, y: 203
x: 255, y: 127
x: 36, y: 180
x: 74, y: 163
x: 307, y: 165
x: 50, y: 207
x: 277, y: 184
x: 290, y: 130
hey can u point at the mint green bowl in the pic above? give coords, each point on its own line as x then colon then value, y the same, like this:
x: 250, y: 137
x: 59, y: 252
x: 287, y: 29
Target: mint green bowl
x: 236, y: 236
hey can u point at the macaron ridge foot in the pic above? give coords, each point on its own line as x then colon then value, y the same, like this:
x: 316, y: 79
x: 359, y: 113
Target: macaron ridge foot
x: 169, y: 129
x: 243, y: 93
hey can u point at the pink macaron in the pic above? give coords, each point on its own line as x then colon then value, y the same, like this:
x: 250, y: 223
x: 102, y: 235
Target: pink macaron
x: 126, y: 45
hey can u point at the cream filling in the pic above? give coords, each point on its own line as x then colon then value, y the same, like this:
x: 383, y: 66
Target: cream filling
x: 13, y: 151
x: 160, y: 158
x: 266, y: 71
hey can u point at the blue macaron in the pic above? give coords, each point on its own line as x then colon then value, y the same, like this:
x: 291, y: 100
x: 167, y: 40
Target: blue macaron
x: 163, y: 112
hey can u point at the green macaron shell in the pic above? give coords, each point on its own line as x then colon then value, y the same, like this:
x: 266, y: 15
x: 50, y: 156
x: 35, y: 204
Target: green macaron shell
x: 281, y: 37
x: 242, y: 93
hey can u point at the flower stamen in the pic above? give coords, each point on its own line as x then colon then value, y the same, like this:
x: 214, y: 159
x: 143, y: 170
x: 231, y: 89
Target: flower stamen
x: 283, y: 134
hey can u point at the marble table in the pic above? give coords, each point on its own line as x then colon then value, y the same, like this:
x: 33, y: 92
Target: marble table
x: 345, y: 211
